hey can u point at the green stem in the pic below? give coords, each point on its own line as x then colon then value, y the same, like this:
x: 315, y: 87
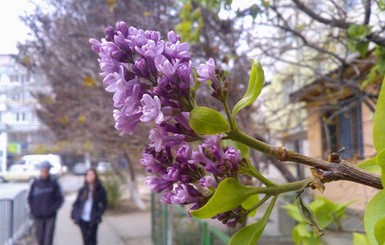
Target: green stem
x: 243, y: 138
x: 255, y: 173
x: 276, y: 190
x: 233, y: 125
x: 264, y: 199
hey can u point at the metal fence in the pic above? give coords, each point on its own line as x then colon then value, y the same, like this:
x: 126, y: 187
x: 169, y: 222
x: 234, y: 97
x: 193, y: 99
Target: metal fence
x: 14, y: 218
x: 172, y: 226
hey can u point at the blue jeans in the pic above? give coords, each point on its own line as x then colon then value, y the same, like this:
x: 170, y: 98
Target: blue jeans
x: 89, y: 232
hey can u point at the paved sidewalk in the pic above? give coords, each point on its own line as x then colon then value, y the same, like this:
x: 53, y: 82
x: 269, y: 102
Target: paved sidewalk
x: 116, y: 229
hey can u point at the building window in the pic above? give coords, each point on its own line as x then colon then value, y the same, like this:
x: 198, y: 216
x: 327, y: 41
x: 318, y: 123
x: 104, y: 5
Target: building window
x: 21, y: 116
x: 18, y: 96
x: 342, y: 131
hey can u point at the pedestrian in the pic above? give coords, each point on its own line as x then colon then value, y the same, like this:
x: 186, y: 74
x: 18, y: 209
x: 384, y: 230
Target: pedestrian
x: 45, y: 197
x: 89, y: 206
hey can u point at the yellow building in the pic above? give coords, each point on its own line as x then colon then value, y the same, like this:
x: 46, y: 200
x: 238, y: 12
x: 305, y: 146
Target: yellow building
x: 341, y: 120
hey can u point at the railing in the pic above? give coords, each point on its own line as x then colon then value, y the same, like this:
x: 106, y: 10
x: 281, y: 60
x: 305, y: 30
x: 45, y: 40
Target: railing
x: 14, y: 218
x: 171, y: 225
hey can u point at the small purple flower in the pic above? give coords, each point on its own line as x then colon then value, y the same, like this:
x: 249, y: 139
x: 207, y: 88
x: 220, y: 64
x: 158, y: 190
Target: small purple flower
x: 212, y: 140
x: 184, y: 73
x: 126, y: 123
x: 95, y: 45
x: 158, y: 184
x: 199, y: 157
x: 184, y: 152
x: 166, y: 197
x: 185, y: 194
x: 181, y: 195
x: 178, y: 51
x: 233, y: 155
x: 147, y: 161
x: 233, y: 217
x: 173, y: 37
x: 132, y: 103
x: 218, y: 153
x: 159, y: 138
x: 173, y: 174
x: 141, y: 67
x: 208, y: 181
x: 206, y: 71
x: 122, y: 27
x: 164, y: 65
x: 151, y: 109
x: 156, y: 138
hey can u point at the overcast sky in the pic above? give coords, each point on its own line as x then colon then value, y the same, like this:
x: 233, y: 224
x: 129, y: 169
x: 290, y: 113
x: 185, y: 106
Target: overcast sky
x: 12, y: 29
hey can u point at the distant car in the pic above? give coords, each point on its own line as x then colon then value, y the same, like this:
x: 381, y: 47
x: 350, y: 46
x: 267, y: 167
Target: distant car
x: 33, y: 160
x: 104, y: 167
x: 79, y: 168
x: 21, y: 173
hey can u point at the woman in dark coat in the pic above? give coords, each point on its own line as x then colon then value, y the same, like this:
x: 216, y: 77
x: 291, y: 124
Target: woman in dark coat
x: 89, y: 207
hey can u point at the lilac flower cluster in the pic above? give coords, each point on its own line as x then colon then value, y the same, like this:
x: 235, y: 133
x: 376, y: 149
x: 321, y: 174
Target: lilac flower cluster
x: 150, y: 79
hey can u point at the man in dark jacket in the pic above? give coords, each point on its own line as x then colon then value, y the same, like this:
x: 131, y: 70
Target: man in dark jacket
x: 44, y: 199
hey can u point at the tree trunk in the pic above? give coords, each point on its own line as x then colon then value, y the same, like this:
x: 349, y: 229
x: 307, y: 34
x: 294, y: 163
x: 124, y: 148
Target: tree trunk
x: 131, y: 182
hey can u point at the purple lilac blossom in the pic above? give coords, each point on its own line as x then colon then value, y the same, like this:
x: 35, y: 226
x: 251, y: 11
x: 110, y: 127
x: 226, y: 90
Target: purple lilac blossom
x: 129, y: 56
x: 150, y: 79
x: 207, y: 181
x: 207, y: 72
x: 151, y: 109
x: 160, y: 138
x: 158, y: 184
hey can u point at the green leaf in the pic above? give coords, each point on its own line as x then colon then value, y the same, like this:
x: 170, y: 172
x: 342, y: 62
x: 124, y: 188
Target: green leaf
x: 375, y: 210
x: 370, y: 165
x: 360, y: 239
x: 380, y: 160
x: 229, y: 195
x: 362, y: 48
x: 381, y: 5
x: 292, y: 211
x: 249, y: 235
x: 379, y: 229
x: 340, y: 210
x: 302, y: 236
x: 351, y: 43
x: 308, y: 215
x: 358, y: 31
x: 302, y: 231
x: 207, y: 121
x: 327, y: 211
x: 254, y: 88
x: 323, y: 209
x: 379, y: 119
x: 251, y: 202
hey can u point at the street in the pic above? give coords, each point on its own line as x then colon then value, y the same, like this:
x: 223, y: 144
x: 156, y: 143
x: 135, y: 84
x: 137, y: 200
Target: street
x: 68, y: 182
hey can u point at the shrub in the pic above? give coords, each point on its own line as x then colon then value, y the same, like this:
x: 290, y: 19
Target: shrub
x: 112, y: 184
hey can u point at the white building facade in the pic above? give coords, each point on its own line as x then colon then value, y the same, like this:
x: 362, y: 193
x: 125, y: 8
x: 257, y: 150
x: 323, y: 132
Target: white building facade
x: 20, y: 128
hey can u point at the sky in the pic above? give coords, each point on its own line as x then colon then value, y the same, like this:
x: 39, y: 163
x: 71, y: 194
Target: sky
x: 11, y: 28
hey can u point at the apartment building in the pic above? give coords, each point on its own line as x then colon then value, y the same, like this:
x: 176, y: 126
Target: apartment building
x: 20, y: 129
